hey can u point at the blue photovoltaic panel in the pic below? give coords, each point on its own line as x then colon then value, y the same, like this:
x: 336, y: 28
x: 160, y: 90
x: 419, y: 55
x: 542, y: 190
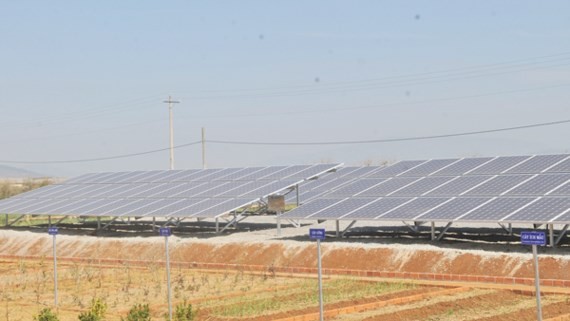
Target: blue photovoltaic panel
x: 341, y: 209
x: 82, y: 178
x: 303, y: 197
x: 151, y: 191
x: 85, y: 190
x: 237, y: 174
x: 453, y: 209
x: 396, y: 169
x: 204, y: 190
x: 312, y: 171
x: 377, y: 208
x: 224, y: 208
x: 562, y: 167
x: 129, y: 206
x: 498, y: 165
x: 428, y: 167
x: 359, y: 171
x: 356, y: 187
x: 176, y: 188
x: 168, y: 176
x: 311, y: 208
x: 412, y: 209
x: 422, y: 186
x: 541, y: 211
x: 103, y: 176
x: 263, y: 172
x: 227, y: 186
x: 243, y: 188
x: 108, y: 190
x: 90, y: 208
x: 46, y: 207
x: 204, y: 174
x: 461, y: 167
x: 175, y: 206
x: 40, y: 192
x: 188, y: 175
x: 221, y: 174
x: 111, y: 178
x: 131, y: 189
x: 22, y: 208
x: 563, y: 190
x: 459, y: 185
x: 498, y: 185
x: 268, y: 189
x: 75, y: 189
x: 285, y: 173
x: 152, y: 206
x: 71, y: 205
x: 540, y: 185
x: 53, y: 193
x: 388, y: 187
x: 129, y: 177
x: 197, y: 208
x: 536, y: 164
x: 190, y: 190
x: 496, y: 209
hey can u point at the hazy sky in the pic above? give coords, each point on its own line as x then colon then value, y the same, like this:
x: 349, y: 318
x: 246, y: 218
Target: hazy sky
x: 87, y: 79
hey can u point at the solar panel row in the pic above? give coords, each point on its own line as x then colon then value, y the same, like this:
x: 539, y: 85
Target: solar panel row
x: 443, y: 209
x: 181, y: 193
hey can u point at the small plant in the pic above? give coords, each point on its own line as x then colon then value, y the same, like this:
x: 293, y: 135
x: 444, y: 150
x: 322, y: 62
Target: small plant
x: 96, y: 311
x: 139, y: 312
x: 183, y: 312
x: 46, y: 315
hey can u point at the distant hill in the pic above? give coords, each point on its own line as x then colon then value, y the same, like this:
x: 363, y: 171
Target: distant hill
x: 14, y: 172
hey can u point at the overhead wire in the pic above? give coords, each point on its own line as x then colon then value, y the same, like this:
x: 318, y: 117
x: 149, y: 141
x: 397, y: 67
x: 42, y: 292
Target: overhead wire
x: 349, y: 142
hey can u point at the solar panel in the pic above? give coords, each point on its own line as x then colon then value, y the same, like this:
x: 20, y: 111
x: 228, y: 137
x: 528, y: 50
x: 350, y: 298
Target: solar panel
x: 496, y: 209
x: 132, y: 176
x: 70, y: 205
x: 498, y: 165
x: 166, y: 176
x: 78, y: 189
x: 358, y: 171
x: 562, y: 167
x: 563, y: 190
x: 285, y: 173
x: 90, y: 208
x: 109, y: 190
x: 453, y: 209
x: 204, y: 174
x: 312, y: 171
x: 237, y: 174
x: 428, y: 167
x: 82, y: 178
x: 376, y: 208
x: 498, y: 185
x: 198, y: 207
x: 269, y: 189
x: 310, y: 208
x: 104, y: 176
x: 227, y: 187
x: 388, y: 187
x: 204, y: 190
x: 174, y: 206
x: 219, y: 175
x: 111, y: 178
x: 356, y: 187
x: 458, y: 186
x: 422, y: 186
x: 396, y: 169
x: 130, y: 190
x: 412, y: 209
x: 541, y: 211
x: 341, y: 209
x: 462, y: 166
x: 536, y: 164
x: 177, y: 188
x: 540, y: 185
x: 224, y: 208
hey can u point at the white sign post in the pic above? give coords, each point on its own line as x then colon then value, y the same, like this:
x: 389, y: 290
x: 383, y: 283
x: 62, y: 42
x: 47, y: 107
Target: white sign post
x: 534, y: 239
x: 53, y: 231
x: 319, y: 235
x: 166, y: 232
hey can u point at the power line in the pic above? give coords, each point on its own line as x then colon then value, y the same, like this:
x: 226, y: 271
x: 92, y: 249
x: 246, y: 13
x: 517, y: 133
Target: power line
x: 392, y: 140
x: 99, y: 158
x: 228, y: 142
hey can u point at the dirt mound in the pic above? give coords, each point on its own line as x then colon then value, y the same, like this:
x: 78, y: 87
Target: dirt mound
x: 287, y: 253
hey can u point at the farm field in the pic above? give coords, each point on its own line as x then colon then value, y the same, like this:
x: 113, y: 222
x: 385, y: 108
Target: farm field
x: 27, y: 286
x: 256, y: 276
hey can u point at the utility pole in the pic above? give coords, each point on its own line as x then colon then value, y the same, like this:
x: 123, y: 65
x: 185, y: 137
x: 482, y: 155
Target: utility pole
x: 170, y: 102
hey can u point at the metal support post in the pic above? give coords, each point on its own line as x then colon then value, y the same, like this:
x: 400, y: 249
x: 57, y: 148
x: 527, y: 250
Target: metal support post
x: 320, y: 280
x: 551, y: 234
x: 154, y: 223
x: 297, y: 195
x: 49, y: 220
x: 433, y: 231
x: 279, y: 224
x: 168, y: 278
x: 337, y: 229
x: 54, y: 272
x: 98, y: 223
x: 217, y: 225
x: 537, y: 284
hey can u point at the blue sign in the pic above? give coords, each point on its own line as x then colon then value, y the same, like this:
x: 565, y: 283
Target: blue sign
x: 165, y: 231
x: 52, y: 230
x: 317, y: 233
x: 533, y: 238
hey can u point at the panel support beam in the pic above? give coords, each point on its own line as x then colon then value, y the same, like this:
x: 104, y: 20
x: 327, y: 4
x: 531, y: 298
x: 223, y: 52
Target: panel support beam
x: 413, y: 228
x: 295, y: 223
x: 561, y: 235
x: 442, y: 233
x: 234, y: 222
x: 15, y: 221
x: 508, y: 228
x: 337, y: 223
x: 433, y: 231
x: 347, y: 228
x: 551, y: 234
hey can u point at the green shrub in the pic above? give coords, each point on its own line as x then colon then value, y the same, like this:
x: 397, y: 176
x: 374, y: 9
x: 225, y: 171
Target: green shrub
x: 46, y: 314
x: 96, y: 311
x: 139, y: 312
x: 184, y: 312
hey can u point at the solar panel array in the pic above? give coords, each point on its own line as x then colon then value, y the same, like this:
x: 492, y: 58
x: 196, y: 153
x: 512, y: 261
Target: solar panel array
x: 512, y: 189
x: 204, y: 193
